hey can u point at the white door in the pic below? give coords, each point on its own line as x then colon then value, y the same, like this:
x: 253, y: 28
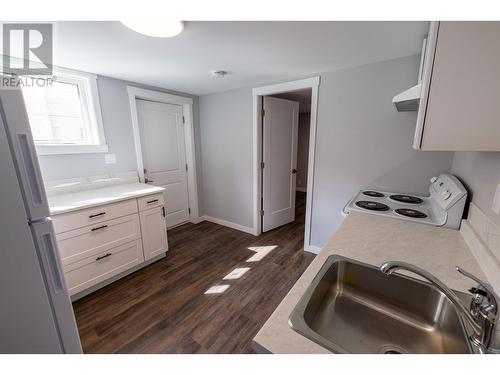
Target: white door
x: 279, y: 154
x: 164, y: 155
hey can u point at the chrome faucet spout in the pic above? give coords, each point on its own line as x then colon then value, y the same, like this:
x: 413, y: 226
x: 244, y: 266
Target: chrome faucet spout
x: 393, y: 266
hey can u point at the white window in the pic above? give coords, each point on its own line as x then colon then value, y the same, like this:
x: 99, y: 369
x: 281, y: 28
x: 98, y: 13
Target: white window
x: 65, y: 117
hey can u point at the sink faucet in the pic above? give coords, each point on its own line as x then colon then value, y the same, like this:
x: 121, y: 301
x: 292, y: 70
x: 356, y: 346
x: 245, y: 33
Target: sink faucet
x: 482, y: 314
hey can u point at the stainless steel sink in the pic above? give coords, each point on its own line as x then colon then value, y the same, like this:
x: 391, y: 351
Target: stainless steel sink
x: 352, y: 307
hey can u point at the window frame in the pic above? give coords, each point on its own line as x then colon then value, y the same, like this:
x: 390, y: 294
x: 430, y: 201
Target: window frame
x: 89, y: 97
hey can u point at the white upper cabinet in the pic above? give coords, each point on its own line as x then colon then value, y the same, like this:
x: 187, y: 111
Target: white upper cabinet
x: 460, y: 99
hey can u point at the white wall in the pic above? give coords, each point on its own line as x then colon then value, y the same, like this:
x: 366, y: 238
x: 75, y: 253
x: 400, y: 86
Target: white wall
x: 119, y: 137
x: 480, y: 172
x: 361, y: 141
x: 226, y: 155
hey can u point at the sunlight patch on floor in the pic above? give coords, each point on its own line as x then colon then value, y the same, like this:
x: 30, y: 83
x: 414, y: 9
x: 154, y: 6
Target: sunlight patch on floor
x: 260, y: 252
x: 236, y: 273
x: 217, y: 289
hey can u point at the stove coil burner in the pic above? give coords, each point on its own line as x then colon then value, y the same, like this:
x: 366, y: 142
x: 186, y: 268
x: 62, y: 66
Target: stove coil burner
x: 411, y: 213
x: 374, y: 206
x: 406, y: 199
x: 373, y: 194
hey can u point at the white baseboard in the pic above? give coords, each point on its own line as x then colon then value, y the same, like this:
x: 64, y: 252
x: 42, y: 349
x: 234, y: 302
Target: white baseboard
x: 228, y: 224
x: 302, y: 189
x: 313, y: 249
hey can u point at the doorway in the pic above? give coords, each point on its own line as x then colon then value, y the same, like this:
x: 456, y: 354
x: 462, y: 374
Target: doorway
x: 276, y: 142
x: 164, y: 145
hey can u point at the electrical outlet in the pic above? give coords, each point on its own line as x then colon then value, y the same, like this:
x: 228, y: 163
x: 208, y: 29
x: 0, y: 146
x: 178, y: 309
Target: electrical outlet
x: 496, y: 201
x: 110, y: 158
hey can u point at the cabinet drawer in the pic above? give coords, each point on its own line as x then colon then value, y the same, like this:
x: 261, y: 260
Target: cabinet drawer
x: 94, y: 215
x: 151, y: 201
x: 91, y: 271
x: 84, y: 242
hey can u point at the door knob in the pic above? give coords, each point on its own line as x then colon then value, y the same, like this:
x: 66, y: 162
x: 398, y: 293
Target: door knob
x: 294, y: 171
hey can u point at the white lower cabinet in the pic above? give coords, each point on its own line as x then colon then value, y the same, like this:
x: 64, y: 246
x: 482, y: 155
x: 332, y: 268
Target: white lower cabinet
x: 93, y: 249
x: 93, y: 270
x: 84, y: 242
x: 154, y: 232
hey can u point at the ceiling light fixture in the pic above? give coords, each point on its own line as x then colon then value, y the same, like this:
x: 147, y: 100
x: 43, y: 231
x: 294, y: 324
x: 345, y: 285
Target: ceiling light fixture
x: 157, y: 29
x: 219, y: 73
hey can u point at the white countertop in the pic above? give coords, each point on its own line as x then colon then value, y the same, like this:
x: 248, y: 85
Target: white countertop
x: 63, y: 203
x: 373, y: 239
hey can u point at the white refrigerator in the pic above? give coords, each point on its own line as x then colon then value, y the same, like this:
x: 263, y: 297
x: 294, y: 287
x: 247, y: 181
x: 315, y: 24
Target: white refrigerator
x: 36, y: 315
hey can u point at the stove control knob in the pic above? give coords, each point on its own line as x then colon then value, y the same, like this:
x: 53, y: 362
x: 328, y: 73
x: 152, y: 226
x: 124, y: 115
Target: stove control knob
x: 433, y: 179
x: 446, y: 194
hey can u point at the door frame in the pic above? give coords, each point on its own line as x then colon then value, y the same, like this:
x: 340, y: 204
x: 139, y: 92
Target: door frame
x: 257, y: 93
x: 135, y: 93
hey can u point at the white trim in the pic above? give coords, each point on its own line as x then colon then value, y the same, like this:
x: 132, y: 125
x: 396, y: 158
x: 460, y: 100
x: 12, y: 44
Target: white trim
x: 228, y: 224
x: 135, y: 93
x: 280, y: 88
x: 313, y: 84
x: 158, y: 96
x: 89, y: 98
x: 70, y: 149
x: 313, y: 249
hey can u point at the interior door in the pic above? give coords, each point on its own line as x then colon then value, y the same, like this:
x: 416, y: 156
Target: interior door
x: 164, y: 156
x: 279, y: 155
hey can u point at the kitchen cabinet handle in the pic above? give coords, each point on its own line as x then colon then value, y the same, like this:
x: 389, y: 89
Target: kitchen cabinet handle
x: 97, y: 228
x: 163, y: 211
x: 153, y: 201
x: 103, y: 256
x: 96, y: 215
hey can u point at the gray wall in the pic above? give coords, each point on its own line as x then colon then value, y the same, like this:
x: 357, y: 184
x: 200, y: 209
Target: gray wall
x: 361, y: 141
x: 303, y: 150
x: 119, y: 137
x: 226, y: 152
x: 480, y: 172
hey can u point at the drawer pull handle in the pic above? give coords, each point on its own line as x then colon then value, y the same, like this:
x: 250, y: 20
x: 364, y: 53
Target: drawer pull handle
x: 103, y: 256
x: 97, y: 215
x: 153, y: 201
x: 97, y: 228
x: 163, y: 211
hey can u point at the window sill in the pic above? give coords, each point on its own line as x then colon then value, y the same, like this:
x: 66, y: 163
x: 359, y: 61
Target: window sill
x: 70, y: 149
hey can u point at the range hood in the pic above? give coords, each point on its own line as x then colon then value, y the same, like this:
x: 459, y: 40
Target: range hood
x: 409, y: 100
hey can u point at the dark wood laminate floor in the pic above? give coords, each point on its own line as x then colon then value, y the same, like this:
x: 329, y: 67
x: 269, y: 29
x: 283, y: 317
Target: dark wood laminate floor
x: 163, y: 309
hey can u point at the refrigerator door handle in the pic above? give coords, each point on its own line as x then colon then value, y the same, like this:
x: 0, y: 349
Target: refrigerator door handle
x: 27, y: 160
x: 43, y: 234
x: 55, y: 271
x: 17, y: 126
x: 51, y: 259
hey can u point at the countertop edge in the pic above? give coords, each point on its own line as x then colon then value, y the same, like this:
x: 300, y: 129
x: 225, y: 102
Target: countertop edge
x: 150, y: 191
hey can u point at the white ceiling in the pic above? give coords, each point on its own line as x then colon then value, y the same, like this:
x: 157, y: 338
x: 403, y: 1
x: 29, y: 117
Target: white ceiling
x: 254, y: 53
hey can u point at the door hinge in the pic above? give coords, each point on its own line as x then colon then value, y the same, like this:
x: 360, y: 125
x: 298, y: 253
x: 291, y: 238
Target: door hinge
x: 186, y: 167
x: 262, y: 165
x: 183, y: 120
x: 263, y: 112
x: 261, y: 212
